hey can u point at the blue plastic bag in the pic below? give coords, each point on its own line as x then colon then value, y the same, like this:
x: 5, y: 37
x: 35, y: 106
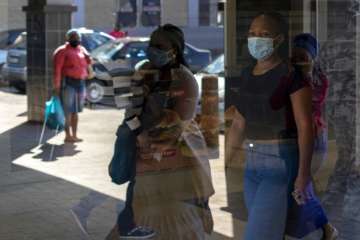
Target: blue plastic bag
x: 54, y: 114
x: 301, y: 219
x: 305, y: 219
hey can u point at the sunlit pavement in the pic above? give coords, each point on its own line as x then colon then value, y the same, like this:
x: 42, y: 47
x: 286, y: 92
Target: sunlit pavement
x: 40, y: 183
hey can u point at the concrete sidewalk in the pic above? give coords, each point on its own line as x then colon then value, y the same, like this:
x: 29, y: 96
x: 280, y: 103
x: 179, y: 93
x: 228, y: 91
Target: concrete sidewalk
x: 39, y: 185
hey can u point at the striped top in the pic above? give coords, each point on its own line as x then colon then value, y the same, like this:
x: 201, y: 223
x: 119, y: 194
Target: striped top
x: 131, y: 88
x: 145, y: 97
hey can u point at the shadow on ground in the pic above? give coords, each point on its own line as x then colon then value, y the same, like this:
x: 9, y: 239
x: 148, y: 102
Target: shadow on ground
x: 52, y: 152
x: 35, y: 205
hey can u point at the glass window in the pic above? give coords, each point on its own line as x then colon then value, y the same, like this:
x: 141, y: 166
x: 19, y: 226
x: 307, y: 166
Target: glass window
x: 151, y: 13
x: 93, y: 40
x: 20, y: 42
x: 107, y: 51
x: 137, y: 50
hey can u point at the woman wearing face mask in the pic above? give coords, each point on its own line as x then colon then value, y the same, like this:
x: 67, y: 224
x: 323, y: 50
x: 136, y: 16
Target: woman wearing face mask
x: 269, y: 144
x: 71, y: 64
x: 173, y: 180
x: 304, y: 219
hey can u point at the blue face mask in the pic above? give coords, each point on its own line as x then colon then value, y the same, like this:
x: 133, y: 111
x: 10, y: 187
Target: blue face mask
x: 260, y: 48
x: 159, y: 58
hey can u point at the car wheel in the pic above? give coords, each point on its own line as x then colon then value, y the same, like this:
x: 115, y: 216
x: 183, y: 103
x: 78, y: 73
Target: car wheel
x: 95, y: 91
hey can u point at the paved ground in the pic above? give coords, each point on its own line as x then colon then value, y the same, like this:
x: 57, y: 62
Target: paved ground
x: 39, y: 185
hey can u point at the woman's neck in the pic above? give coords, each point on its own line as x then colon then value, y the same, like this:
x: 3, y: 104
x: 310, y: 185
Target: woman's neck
x: 263, y: 66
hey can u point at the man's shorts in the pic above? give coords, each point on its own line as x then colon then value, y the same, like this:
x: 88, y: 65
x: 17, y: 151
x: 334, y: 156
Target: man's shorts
x: 73, y: 95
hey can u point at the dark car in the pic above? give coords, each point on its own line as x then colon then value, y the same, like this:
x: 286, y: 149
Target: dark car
x: 7, y: 39
x: 15, y: 68
x: 125, y: 54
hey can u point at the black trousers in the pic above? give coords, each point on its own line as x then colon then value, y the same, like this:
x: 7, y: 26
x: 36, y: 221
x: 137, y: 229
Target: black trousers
x: 125, y: 219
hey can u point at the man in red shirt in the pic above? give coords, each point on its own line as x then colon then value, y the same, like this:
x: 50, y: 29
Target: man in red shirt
x: 117, y: 33
x: 71, y: 62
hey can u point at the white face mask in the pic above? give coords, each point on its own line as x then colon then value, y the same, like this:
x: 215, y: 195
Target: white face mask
x: 260, y: 48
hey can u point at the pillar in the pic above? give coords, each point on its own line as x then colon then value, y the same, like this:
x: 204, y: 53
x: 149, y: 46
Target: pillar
x: 340, y: 57
x: 46, y: 23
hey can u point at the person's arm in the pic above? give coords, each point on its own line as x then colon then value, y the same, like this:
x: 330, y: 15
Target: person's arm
x: 235, y: 136
x: 133, y: 119
x: 59, y: 58
x: 301, y: 101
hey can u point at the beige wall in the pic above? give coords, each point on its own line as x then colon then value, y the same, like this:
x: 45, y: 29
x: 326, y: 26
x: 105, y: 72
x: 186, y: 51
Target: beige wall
x: 175, y: 12
x: 99, y: 13
x: 3, y: 15
x: 16, y: 16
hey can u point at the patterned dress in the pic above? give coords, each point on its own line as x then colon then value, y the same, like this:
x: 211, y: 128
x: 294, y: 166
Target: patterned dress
x: 173, y: 182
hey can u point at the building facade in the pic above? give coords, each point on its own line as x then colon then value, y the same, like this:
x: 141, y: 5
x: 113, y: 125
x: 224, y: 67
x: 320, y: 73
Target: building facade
x: 186, y: 13
x: 91, y: 13
x: 104, y: 14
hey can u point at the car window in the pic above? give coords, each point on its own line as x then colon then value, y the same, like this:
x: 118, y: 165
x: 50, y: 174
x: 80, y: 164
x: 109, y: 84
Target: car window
x: 20, y: 42
x: 137, y: 50
x: 91, y: 41
x: 107, y: 51
x: 13, y: 35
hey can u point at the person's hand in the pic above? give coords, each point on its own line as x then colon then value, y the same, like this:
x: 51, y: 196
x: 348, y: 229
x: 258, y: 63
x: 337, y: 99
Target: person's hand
x: 56, y: 91
x: 301, y: 183
x: 230, y: 112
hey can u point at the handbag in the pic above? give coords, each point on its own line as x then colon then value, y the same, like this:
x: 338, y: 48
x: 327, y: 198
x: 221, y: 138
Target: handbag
x: 122, y: 165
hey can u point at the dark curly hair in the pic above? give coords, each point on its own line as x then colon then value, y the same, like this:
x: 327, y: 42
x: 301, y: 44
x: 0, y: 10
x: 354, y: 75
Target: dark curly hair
x: 177, y: 39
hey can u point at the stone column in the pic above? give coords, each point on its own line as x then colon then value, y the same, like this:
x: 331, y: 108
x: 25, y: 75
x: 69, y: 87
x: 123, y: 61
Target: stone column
x: 46, y: 27
x: 340, y: 57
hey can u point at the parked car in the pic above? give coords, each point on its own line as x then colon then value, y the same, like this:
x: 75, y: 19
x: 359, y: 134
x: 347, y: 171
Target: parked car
x: 15, y: 68
x: 7, y: 39
x: 125, y: 54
